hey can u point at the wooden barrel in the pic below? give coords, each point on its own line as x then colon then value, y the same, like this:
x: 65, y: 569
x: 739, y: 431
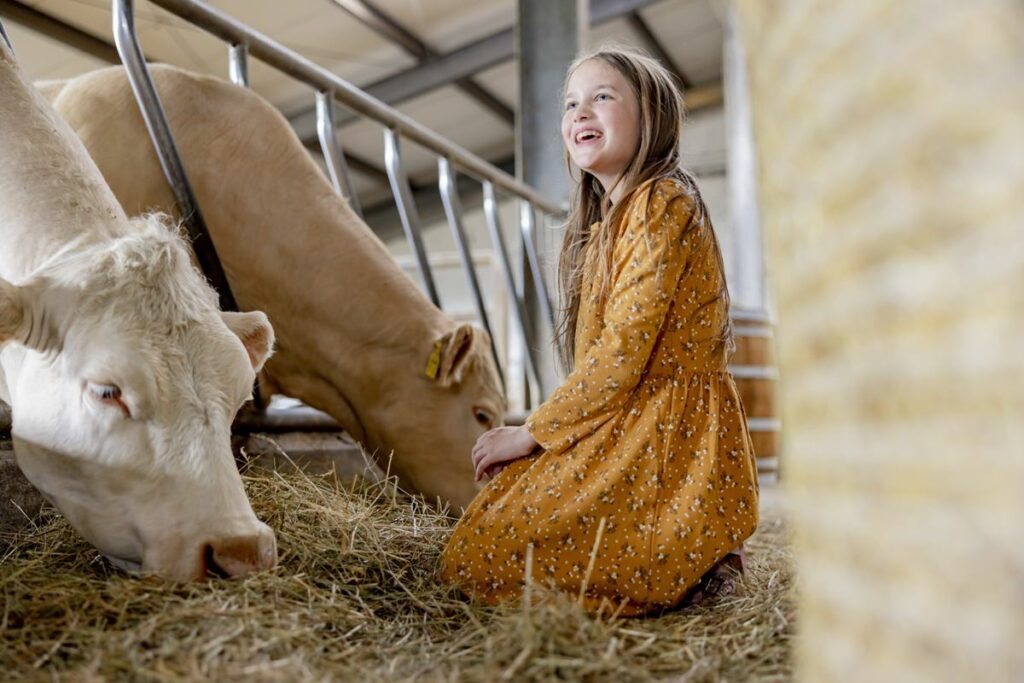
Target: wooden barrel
x: 754, y: 368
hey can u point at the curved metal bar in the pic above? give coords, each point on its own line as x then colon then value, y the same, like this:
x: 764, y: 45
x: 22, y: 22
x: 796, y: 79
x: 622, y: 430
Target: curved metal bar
x: 407, y: 210
x: 453, y: 210
x: 527, y: 225
x: 334, y: 157
x: 295, y: 65
x: 160, y: 132
x: 3, y: 33
x: 494, y: 227
x: 238, y: 64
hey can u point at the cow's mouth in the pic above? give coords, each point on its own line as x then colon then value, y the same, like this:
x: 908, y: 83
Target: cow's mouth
x: 130, y: 566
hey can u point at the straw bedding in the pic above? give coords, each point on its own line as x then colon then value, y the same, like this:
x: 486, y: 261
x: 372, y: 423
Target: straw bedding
x: 355, y: 597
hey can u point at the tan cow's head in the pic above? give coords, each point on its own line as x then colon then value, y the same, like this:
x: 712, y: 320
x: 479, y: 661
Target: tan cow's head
x: 432, y: 419
x: 124, y: 379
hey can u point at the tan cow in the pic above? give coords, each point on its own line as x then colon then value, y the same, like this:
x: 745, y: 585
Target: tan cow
x: 354, y: 334
x: 122, y: 375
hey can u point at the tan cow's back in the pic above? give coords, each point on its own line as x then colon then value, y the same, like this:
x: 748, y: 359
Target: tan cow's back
x: 46, y: 181
x: 354, y: 333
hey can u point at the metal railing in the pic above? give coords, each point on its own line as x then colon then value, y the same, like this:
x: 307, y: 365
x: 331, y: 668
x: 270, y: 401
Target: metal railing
x: 3, y: 36
x: 156, y: 122
x: 334, y: 157
x: 244, y: 42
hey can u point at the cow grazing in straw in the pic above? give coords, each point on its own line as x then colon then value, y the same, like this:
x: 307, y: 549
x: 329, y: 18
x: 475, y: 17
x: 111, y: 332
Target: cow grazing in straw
x: 122, y: 375
x: 355, y: 337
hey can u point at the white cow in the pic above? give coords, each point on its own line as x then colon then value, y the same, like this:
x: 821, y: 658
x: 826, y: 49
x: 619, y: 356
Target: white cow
x: 354, y: 334
x: 122, y: 375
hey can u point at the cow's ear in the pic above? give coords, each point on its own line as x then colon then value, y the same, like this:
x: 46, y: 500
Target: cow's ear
x: 450, y: 357
x: 12, y: 311
x: 256, y: 334
x: 34, y: 314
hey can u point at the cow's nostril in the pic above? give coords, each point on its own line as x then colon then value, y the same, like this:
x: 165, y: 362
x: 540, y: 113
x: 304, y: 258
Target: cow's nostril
x: 238, y: 555
x: 208, y: 563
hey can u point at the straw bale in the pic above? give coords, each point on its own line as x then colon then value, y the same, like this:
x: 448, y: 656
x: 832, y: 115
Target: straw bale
x: 890, y: 142
x: 356, y: 597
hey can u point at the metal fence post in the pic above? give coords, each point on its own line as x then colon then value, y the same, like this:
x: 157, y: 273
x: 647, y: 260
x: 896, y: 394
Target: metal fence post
x: 128, y: 48
x: 453, y: 210
x: 494, y: 227
x: 334, y: 157
x: 238, y: 64
x: 407, y: 210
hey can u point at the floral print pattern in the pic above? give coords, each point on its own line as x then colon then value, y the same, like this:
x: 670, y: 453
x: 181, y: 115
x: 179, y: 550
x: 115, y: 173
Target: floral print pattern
x: 647, y: 469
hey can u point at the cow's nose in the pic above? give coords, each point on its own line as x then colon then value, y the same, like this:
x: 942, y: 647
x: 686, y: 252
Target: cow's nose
x: 237, y: 556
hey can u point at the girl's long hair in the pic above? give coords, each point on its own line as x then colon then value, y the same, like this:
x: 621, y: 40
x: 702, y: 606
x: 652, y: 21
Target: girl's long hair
x: 657, y: 157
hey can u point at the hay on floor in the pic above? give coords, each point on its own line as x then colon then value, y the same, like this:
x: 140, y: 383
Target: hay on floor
x: 355, y: 597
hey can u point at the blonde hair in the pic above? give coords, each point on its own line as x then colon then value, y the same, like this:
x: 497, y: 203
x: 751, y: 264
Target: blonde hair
x: 657, y: 157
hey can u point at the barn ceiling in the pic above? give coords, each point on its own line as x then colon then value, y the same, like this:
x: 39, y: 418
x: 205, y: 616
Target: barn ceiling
x: 379, y: 45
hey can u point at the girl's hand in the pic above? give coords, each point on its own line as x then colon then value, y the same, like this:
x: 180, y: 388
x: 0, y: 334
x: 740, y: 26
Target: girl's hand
x: 499, y: 447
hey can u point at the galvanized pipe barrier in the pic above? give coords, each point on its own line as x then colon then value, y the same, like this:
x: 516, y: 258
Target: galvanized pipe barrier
x: 238, y: 64
x: 298, y: 67
x: 128, y: 48
x: 406, y: 206
x: 527, y: 226
x: 7, y: 40
x: 498, y: 239
x: 453, y: 210
x: 334, y: 157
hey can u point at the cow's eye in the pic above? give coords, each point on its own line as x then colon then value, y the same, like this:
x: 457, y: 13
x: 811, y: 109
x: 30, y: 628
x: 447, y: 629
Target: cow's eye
x: 105, y: 392
x: 485, y: 418
x: 109, y: 394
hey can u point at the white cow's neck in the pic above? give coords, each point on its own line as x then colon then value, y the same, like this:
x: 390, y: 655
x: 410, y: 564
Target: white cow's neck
x: 51, y: 193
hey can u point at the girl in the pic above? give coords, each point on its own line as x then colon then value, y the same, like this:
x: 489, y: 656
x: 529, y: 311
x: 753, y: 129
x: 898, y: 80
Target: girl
x: 637, y: 476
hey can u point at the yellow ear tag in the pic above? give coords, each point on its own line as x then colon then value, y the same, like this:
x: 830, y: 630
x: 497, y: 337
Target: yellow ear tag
x: 434, y: 361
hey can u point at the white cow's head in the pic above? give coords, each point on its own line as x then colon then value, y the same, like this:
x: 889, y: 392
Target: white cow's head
x: 124, y: 378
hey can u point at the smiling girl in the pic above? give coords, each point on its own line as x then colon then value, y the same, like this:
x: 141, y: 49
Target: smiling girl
x: 636, y: 478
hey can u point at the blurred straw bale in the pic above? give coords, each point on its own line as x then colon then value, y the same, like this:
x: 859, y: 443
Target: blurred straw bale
x: 890, y: 140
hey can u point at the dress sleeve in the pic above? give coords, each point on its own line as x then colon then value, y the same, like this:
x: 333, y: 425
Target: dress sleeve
x: 650, y: 257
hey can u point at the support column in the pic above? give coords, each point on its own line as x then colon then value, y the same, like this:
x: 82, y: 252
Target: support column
x: 748, y: 288
x: 549, y: 34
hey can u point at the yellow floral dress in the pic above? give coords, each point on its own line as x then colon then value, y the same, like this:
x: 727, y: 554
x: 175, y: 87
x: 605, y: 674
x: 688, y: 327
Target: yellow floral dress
x: 647, y: 464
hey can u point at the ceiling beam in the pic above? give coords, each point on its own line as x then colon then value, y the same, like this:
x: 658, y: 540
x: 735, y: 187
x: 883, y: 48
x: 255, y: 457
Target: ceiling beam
x: 31, y: 18
x: 655, y: 48
x: 60, y: 31
x: 52, y: 27
x: 385, y: 25
x: 453, y: 66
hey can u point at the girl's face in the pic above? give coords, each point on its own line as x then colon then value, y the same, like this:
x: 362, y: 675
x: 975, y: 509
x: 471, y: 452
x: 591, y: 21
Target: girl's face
x: 601, y: 123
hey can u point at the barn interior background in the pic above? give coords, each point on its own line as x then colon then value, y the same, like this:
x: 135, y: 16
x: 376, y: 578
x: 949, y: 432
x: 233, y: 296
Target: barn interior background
x: 446, y: 64
x: 885, y: 146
